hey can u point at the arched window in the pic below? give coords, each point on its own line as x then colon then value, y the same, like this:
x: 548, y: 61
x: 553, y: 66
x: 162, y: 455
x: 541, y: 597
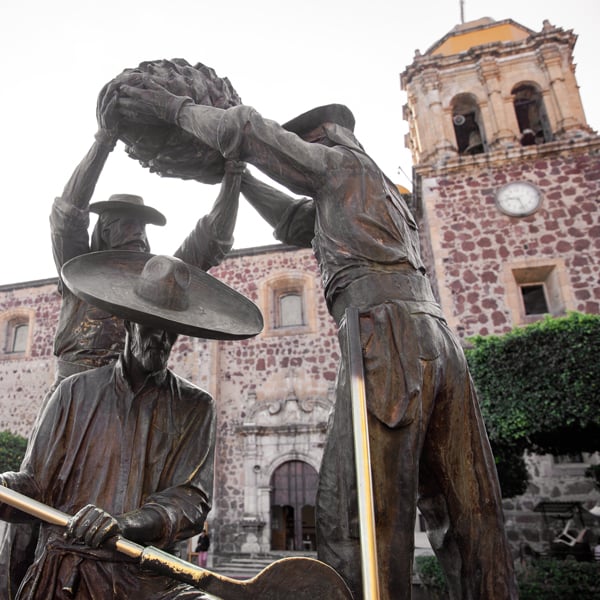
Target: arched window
x: 466, y: 119
x: 15, y: 334
x: 531, y: 115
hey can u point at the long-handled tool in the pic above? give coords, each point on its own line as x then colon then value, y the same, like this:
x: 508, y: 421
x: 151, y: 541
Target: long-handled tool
x: 299, y: 577
x: 366, y: 512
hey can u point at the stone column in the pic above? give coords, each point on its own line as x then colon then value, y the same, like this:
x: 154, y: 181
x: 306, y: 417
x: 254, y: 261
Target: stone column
x: 430, y: 118
x: 500, y: 121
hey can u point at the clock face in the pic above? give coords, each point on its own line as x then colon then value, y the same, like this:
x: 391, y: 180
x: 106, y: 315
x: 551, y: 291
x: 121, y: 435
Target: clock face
x: 518, y: 199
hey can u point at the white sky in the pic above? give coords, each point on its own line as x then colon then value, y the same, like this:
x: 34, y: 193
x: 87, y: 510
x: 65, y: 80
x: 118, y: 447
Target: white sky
x: 282, y: 57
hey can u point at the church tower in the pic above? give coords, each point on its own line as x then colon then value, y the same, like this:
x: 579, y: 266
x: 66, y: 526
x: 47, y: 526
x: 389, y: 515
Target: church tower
x: 506, y: 175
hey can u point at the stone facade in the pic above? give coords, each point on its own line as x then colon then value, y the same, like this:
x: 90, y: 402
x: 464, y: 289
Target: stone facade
x: 477, y: 254
x: 476, y: 71
x: 550, y: 479
x: 26, y: 376
x: 274, y: 393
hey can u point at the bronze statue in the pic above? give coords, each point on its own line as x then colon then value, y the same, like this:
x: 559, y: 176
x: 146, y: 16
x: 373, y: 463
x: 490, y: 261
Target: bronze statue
x: 128, y: 447
x: 428, y: 442
x: 87, y: 337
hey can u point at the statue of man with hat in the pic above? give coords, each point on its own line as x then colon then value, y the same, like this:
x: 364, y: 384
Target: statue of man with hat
x: 128, y: 448
x: 428, y: 443
x: 86, y: 337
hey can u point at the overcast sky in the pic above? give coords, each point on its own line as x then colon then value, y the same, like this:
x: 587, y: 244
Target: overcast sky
x: 282, y: 57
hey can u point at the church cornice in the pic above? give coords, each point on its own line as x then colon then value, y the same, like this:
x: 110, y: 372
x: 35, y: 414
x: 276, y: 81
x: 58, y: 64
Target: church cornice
x: 461, y: 163
x: 248, y: 429
x: 536, y: 42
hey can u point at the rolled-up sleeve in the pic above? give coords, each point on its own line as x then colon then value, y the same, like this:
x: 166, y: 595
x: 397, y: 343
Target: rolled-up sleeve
x: 69, y: 231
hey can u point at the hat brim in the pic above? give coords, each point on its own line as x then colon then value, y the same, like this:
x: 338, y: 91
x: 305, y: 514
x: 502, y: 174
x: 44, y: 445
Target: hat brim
x: 146, y: 213
x: 339, y: 114
x: 216, y: 311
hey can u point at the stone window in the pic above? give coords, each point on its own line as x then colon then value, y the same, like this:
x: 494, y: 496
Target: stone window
x: 466, y: 119
x: 289, y: 304
x: 534, y: 299
x: 537, y: 288
x: 16, y: 330
x: 539, y: 291
x: 531, y: 115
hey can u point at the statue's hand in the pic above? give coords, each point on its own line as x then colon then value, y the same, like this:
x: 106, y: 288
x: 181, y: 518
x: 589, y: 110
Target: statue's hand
x: 107, y: 112
x: 93, y: 526
x: 235, y: 167
x: 151, y: 104
x: 142, y: 525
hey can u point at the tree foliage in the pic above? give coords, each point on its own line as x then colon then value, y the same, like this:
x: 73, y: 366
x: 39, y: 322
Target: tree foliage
x: 539, y: 388
x: 12, y: 451
x: 432, y: 577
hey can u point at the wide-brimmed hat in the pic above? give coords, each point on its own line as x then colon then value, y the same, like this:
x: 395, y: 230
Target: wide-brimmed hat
x: 162, y: 292
x: 330, y: 113
x: 131, y: 204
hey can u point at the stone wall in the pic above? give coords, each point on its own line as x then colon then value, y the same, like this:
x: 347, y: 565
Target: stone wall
x: 549, y: 481
x: 474, y: 249
x: 26, y: 377
x: 257, y: 376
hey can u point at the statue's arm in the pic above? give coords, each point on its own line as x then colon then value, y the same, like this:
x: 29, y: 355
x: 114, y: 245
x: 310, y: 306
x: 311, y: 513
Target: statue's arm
x: 212, y: 237
x: 79, y: 189
x: 269, y: 202
x: 292, y: 219
x: 238, y: 133
x: 43, y: 457
x: 242, y: 133
x: 69, y: 217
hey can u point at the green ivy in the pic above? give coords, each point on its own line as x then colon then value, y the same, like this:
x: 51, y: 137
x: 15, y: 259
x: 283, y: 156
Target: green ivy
x: 539, y: 386
x: 12, y: 451
x: 432, y: 577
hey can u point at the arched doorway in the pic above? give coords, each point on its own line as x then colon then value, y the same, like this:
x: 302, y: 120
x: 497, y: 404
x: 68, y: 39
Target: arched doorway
x: 293, y: 499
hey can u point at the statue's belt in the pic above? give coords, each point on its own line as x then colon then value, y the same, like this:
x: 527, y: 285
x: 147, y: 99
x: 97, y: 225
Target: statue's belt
x: 377, y: 288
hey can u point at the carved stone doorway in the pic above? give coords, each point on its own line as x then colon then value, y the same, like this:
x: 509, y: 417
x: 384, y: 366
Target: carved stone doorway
x: 293, y: 499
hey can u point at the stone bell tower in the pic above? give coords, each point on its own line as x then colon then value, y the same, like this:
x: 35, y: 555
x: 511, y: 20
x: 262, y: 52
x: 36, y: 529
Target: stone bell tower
x: 506, y: 175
